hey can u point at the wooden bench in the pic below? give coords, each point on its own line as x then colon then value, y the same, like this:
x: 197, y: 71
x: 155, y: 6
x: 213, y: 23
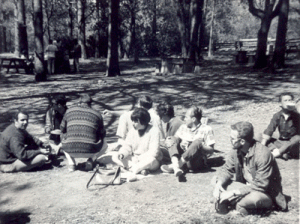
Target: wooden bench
x: 292, y: 46
x: 14, y: 62
x: 177, y: 65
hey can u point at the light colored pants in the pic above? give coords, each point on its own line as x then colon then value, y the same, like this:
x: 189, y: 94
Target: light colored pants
x: 139, y: 163
x: 19, y: 165
x: 93, y: 156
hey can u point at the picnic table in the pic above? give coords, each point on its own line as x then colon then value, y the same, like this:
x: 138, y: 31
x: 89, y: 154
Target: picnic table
x: 17, y: 63
x: 177, y: 65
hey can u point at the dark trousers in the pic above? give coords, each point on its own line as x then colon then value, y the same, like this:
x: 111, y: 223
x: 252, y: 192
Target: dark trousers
x: 194, y: 155
x: 290, y: 146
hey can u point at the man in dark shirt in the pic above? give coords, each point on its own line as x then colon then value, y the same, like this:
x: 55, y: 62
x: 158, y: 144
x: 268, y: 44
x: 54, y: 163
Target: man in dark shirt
x: 287, y: 121
x: 250, y: 179
x: 170, y: 126
x: 20, y: 151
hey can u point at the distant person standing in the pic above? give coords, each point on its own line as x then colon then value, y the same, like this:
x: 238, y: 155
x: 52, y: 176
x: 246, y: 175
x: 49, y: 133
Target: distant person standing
x: 77, y: 55
x: 51, y: 50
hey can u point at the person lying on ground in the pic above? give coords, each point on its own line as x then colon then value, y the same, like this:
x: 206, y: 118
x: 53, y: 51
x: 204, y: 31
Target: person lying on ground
x: 83, y: 134
x: 141, y: 152
x: 20, y: 151
x: 126, y: 124
x: 191, y: 145
x: 170, y: 125
x: 54, y: 116
x: 287, y: 121
x: 257, y: 185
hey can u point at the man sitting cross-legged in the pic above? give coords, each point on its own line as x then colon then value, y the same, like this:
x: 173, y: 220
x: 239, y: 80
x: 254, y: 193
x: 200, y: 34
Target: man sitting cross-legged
x: 287, y: 120
x: 140, y: 152
x: 170, y: 125
x: 83, y: 134
x: 250, y: 179
x: 191, y: 144
x: 20, y: 151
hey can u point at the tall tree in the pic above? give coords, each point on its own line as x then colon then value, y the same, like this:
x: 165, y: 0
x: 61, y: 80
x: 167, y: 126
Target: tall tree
x: 82, y: 26
x: 189, y: 19
x: 21, y: 42
x: 196, y: 19
x: 279, y: 53
x: 113, y: 68
x: 38, y: 38
x: 266, y: 16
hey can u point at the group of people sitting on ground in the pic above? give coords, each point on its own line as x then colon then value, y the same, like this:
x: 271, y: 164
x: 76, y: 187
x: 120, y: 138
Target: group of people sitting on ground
x: 149, y: 139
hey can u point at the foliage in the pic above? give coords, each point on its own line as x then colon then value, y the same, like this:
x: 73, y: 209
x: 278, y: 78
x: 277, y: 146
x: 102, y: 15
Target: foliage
x: 232, y: 22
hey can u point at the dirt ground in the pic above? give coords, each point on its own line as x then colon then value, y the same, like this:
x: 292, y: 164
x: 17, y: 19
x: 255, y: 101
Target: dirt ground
x: 227, y: 93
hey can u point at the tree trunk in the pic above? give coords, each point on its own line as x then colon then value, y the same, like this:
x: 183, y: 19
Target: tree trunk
x: 279, y: 53
x: 21, y: 42
x: 70, y: 24
x: 97, y: 39
x: 81, y: 27
x: 202, y: 29
x: 196, y: 16
x: 266, y: 16
x: 154, y: 45
x: 182, y: 27
x: 112, y: 52
x: 262, y: 40
x: 210, y: 45
x: 38, y: 39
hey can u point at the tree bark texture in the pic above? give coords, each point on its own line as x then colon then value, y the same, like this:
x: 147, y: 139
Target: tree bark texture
x: 112, y: 53
x: 38, y: 38
x: 81, y: 27
x: 279, y: 53
x: 21, y: 42
x: 196, y: 17
x: 182, y: 26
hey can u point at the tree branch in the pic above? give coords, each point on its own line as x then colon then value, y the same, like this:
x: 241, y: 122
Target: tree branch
x: 255, y: 11
x: 276, y: 10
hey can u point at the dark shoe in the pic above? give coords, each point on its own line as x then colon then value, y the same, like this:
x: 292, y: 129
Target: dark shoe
x: 285, y: 156
x: 221, y: 208
x: 145, y: 172
x: 281, y: 202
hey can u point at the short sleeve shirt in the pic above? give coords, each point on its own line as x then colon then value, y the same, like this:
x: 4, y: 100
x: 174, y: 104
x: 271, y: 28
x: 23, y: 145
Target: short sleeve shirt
x: 201, y: 131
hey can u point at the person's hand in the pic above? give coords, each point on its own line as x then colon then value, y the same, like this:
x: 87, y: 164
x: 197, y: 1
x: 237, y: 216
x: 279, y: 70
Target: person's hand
x: 264, y: 142
x: 45, y: 151
x: 227, y: 195
x: 218, y: 190
x: 117, y: 158
x: 169, y: 142
x: 46, y: 145
x: 106, y: 112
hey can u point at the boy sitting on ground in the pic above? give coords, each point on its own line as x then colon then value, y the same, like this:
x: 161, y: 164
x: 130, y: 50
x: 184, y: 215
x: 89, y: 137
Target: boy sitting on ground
x: 287, y: 120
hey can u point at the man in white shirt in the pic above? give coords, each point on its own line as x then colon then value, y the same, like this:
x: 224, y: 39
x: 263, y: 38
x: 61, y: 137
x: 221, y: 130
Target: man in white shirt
x: 191, y: 145
x: 51, y: 50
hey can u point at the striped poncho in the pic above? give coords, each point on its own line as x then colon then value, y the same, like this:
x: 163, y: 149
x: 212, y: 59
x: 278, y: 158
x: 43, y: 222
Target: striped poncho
x: 83, y: 128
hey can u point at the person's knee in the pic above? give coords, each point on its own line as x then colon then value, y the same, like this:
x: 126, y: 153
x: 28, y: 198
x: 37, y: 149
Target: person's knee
x: 196, y: 145
x: 254, y: 202
x: 40, y: 159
